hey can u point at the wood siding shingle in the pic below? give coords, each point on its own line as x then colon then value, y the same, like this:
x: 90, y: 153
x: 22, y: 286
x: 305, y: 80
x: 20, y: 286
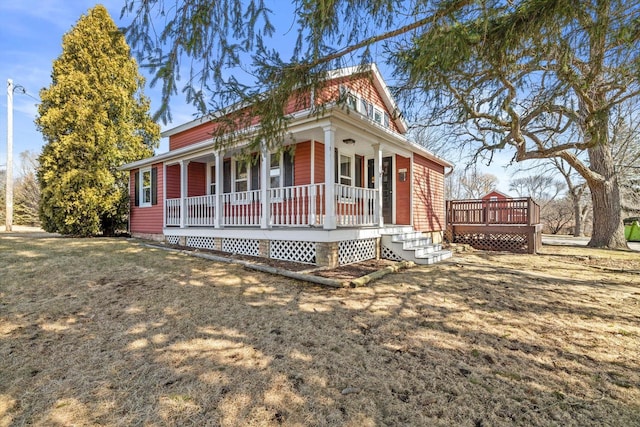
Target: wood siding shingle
x: 146, y: 219
x: 428, y: 195
x: 403, y: 191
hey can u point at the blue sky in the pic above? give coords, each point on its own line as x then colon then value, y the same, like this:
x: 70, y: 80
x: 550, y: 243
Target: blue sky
x: 31, y: 39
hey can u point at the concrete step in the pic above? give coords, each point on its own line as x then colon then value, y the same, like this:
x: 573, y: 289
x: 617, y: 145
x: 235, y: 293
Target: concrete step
x: 408, y: 236
x: 434, y: 257
x: 415, y: 243
x: 396, y: 229
x: 415, y: 247
x: 426, y: 250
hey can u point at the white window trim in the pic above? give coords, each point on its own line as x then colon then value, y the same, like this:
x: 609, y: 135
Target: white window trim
x: 209, y: 177
x: 235, y: 179
x: 141, y: 187
x: 352, y: 157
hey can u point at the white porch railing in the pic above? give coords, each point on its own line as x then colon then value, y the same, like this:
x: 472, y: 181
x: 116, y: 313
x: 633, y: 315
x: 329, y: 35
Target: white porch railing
x: 356, y: 206
x: 242, y: 208
x: 297, y: 206
x: 201, y: 210
x: 172, y: 212
x: 301, y: 205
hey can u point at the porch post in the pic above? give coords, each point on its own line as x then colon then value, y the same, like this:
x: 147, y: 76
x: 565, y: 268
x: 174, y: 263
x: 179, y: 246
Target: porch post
x: 329, y: 177
x: 219, y: 209
x: 265, y: 184
x: 184, y: 185
x: 377, y: 173
x: 164, y: 195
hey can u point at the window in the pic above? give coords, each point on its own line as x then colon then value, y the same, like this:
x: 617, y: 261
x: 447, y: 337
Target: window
x: 212, y: 179
x: 352, y: 102
x: 366, y: 108
x: 246, y: 175
x: 241, y: 177
x: 274, y: 170
x: 146, y: 187
x: 345, y: 170
x: 281, y: 169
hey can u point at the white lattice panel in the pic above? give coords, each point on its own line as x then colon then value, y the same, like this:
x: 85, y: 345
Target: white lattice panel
x: 173, y: 240
x: 350, y: 251
x: 241, y: 246
x: 288, y: 250
x: 201, y: 242
x: 389, y: 254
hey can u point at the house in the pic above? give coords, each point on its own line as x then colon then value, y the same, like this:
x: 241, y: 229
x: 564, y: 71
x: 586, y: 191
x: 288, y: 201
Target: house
x: 348, y: 186
x: 495, y: 195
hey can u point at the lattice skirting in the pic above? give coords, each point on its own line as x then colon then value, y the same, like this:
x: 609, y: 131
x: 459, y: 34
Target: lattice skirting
x: 173, y: 240
x: 351, y: 251
x: 387, y: 253
x: 241, y: 246
x: 512, y: 242
x: 201, y: 242
x: 293, y: 251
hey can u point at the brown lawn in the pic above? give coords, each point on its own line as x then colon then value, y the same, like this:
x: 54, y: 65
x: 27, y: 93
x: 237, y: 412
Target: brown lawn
x: 108, y: 332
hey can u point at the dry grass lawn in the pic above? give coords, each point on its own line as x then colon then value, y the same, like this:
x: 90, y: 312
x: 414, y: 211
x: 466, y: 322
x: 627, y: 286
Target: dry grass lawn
x: 107, y: 332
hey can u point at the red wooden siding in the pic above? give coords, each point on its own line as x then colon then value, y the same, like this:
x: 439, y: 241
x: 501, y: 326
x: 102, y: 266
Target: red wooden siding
x: 191, y: 136
x: 146, y: 219
x: 403, y: 191
x: 428, y: 195
x: 197, y: 181
x: 173, y: 182
x: 302, y: 164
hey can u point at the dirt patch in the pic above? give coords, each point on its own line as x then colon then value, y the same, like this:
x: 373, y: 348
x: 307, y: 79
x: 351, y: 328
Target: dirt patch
x: 107, y: 332
x: 341, y: 273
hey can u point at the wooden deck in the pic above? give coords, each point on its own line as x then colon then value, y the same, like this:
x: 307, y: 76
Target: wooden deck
x: 500, y: 225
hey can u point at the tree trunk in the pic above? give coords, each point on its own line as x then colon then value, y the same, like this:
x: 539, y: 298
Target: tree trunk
x: 577, y: 227
x: 608, y: 230
x: 577, y: 215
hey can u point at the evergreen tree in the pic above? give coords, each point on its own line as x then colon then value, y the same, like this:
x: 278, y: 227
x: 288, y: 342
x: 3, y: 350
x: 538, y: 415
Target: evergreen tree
x: 94, y: 118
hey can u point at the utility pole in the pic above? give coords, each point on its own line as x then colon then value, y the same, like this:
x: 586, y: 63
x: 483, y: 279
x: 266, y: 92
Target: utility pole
x: 9, y: 174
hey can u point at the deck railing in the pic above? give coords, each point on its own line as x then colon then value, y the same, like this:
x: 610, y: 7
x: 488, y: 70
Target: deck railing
x: 296, y: 206
x: 522, y: 211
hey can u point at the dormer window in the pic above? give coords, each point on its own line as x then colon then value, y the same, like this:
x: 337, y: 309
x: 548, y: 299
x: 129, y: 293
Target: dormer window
x: 358, y: 103
x: 352, y: 102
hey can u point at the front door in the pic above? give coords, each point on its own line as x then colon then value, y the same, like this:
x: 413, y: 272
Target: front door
x: 387, y: 186
x: 387, y: 190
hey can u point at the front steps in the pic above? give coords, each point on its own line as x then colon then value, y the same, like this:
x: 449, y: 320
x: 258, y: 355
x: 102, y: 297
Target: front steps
x: 404, y: 243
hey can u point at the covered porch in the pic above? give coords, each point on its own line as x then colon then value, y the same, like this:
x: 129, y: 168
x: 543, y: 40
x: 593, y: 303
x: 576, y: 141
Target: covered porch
x: 334, y: 178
